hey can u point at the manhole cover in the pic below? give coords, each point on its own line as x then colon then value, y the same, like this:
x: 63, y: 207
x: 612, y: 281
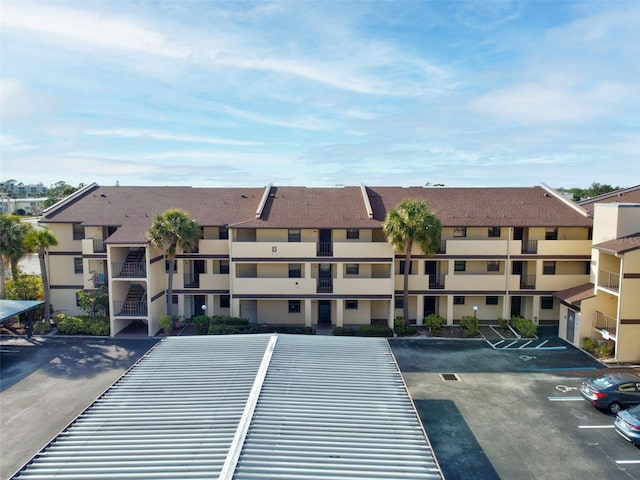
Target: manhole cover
x: 450, y: 377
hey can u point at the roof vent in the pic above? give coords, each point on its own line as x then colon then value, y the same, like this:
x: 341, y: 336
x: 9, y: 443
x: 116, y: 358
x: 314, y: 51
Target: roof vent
x: 450, y: 377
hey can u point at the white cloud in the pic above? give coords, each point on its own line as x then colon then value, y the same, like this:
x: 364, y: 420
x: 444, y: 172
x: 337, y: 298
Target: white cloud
x: 82, y: 28
x: 153, y: 135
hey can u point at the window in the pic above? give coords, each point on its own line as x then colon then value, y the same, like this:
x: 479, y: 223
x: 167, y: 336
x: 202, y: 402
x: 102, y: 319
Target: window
x: 493, y: 266
x: 295, y: 270
x: 351, y: 304
x: 174, y: 299
x: 459, y: 231
x: 491, y: 300
x: 223, y: 233
x: 551, y: 233
x: 77, y: 265
x: 224, y: 267
x: 546, y: 303
x: 549, y: 268
x: 225, y: 301
x: 402, y: 265
x: 457, y: 300
x: 353, y: 269
x: 494, y: 232
x: 78, y: 232
x: 460, y: 266
x: 294, y: 235
x: 399, y: 301
x: 353, y: 233
x: 294, y: 306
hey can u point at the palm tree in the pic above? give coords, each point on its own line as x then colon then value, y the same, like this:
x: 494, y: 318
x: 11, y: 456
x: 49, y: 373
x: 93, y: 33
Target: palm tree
x: 412, y: 222
x: 12, y: 233
x: 171, y: 231
x: 40, y: 240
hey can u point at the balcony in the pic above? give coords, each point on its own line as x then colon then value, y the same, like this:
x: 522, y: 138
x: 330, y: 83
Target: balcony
x: 191, y: 280
x: 129, y: 269
x: 361, y: 286
x: 129, y: 308
x: 324, y: 285
x: 559, y: 281
x: 436, y: 282
x: 92, y: 246
x: 273, y: 286
x: 606, y: 326
x: 325, y: 249
x: 363, y: 250
x: 564, y: 247
x: 608, y: 280
x: 242, y: 250
x: 527, y: 282
x: 530, y: 246
x: 485, y: 247
x: 481, y: 282
x: 213, y: 247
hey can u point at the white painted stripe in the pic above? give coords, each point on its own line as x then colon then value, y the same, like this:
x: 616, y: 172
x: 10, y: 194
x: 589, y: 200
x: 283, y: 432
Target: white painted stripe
x: 525, y: 344
x: 625, y: 462
x: 511, y: 344
x: 595, y: 426
x: 542, y: 344
x: 565, y: 399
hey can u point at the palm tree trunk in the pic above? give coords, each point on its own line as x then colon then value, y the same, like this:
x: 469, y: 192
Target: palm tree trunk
x: 407, y: 267
x: 15, y: 269
x: 3, y: 294
x: 45, y: 285
x: 172, y: 263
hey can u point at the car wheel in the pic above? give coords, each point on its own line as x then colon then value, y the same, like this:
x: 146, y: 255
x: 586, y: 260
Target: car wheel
x: 615, y: 407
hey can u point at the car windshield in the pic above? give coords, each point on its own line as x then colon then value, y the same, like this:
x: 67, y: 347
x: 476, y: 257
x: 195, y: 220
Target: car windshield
x: 603, y: 382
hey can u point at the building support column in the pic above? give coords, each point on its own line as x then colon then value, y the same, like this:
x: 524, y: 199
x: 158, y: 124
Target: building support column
x: 339, y: 312
x: 420, y: 310
x: 449, y: 314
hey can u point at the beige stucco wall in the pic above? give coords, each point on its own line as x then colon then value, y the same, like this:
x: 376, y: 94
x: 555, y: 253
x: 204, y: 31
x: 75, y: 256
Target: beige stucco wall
x: 628, y: 345
x: 277, y: 312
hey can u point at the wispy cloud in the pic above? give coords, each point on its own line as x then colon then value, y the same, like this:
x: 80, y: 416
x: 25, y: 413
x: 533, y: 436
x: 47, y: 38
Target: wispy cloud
x: 162, y: 136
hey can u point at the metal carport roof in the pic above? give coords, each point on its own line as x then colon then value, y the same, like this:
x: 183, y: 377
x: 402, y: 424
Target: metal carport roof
x: 248, y: 407
x: 11, y: 308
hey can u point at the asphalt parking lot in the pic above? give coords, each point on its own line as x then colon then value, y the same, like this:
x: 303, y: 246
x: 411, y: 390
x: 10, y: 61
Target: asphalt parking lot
x: 45, y: 382
x: 512, y: 414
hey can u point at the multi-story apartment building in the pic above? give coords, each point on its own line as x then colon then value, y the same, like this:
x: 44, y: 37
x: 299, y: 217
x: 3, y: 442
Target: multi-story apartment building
x: 310, y: 256
x: 608, y: 307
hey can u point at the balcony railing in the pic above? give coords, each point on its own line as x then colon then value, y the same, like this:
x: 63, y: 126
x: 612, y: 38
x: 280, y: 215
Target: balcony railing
x: 129, y: 269
x: 605, y: 323
x: 191, y: 280
x: 325, y: 249
x: 530, y: 246
x: 527, y: 282
x: 608, y: 280
x: 436, y: 281
x: 325, y: 285
x: 99, y: 246
x: 129, y: 308
x: 98, y: 280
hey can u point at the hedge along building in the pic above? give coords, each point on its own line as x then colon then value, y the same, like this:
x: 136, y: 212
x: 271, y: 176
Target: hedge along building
x: 309, y: 256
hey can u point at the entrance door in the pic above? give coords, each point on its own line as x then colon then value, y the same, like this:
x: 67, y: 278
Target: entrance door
x: 571, y: 325
x: 324, y: 312
x: 430, y: 306
x: 516, y: 304
x: 324, y: 243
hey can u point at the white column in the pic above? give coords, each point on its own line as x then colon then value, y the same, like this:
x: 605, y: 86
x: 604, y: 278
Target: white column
x: 307, y: 312
x: 339, y: 312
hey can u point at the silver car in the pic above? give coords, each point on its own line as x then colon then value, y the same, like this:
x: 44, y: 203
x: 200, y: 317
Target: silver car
x: 627, y: 424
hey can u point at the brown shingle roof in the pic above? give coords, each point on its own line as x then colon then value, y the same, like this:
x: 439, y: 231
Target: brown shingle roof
x: 480, y: 207
x: 132, y: 209
x: 304, y: 207
x: 575, y: 295
x: 620, y: 245
x: 625, y: 195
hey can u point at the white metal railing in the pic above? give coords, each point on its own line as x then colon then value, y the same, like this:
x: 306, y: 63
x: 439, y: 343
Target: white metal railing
x: 608, y: 280
x: 605, y: 323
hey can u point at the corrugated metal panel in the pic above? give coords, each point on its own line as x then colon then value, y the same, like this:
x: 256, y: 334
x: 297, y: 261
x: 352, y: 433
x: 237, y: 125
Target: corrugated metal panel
x: 307, y: 408
x: 174, y: 415
x: 334, y: 408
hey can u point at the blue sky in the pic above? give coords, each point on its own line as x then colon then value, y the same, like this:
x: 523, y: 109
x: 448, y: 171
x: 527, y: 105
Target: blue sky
x: 322, y: 93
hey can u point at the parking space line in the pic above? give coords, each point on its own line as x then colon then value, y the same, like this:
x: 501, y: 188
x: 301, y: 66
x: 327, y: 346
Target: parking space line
x: 525, y: 344
x: 565, y: 399
x: 512, y: 343
x: 595, y: 426
x: 626, y: 462
x: 539, y: 346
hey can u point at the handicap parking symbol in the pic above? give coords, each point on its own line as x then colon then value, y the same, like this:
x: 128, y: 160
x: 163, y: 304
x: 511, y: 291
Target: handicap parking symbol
x: 526, y: 358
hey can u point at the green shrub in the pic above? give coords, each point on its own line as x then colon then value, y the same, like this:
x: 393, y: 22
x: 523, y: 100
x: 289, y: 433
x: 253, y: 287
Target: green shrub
x: 165, y: 323
x: 344, y: 331
x: 41, y: 328
x: 201, y: 324
x: 82, y: 325
x: 525, y: 327
x: 503, y: 322
x: 470, y: 325
x: 220, y: 329
x: 435, y: 323
x: 223, y: 320
x: 588, y: 344
x: 374, y: 331
x: 598, y: 349
x: 401, y: 328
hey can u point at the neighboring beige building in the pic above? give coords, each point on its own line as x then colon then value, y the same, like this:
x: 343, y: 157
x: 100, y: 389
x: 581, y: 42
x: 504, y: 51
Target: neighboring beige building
x: 309, y: 256
x: 608, y: 308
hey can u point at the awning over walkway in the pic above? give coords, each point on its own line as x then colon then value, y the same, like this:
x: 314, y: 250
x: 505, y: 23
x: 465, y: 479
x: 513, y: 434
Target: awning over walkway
x: 11, y: 308
x: 249, y: 407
